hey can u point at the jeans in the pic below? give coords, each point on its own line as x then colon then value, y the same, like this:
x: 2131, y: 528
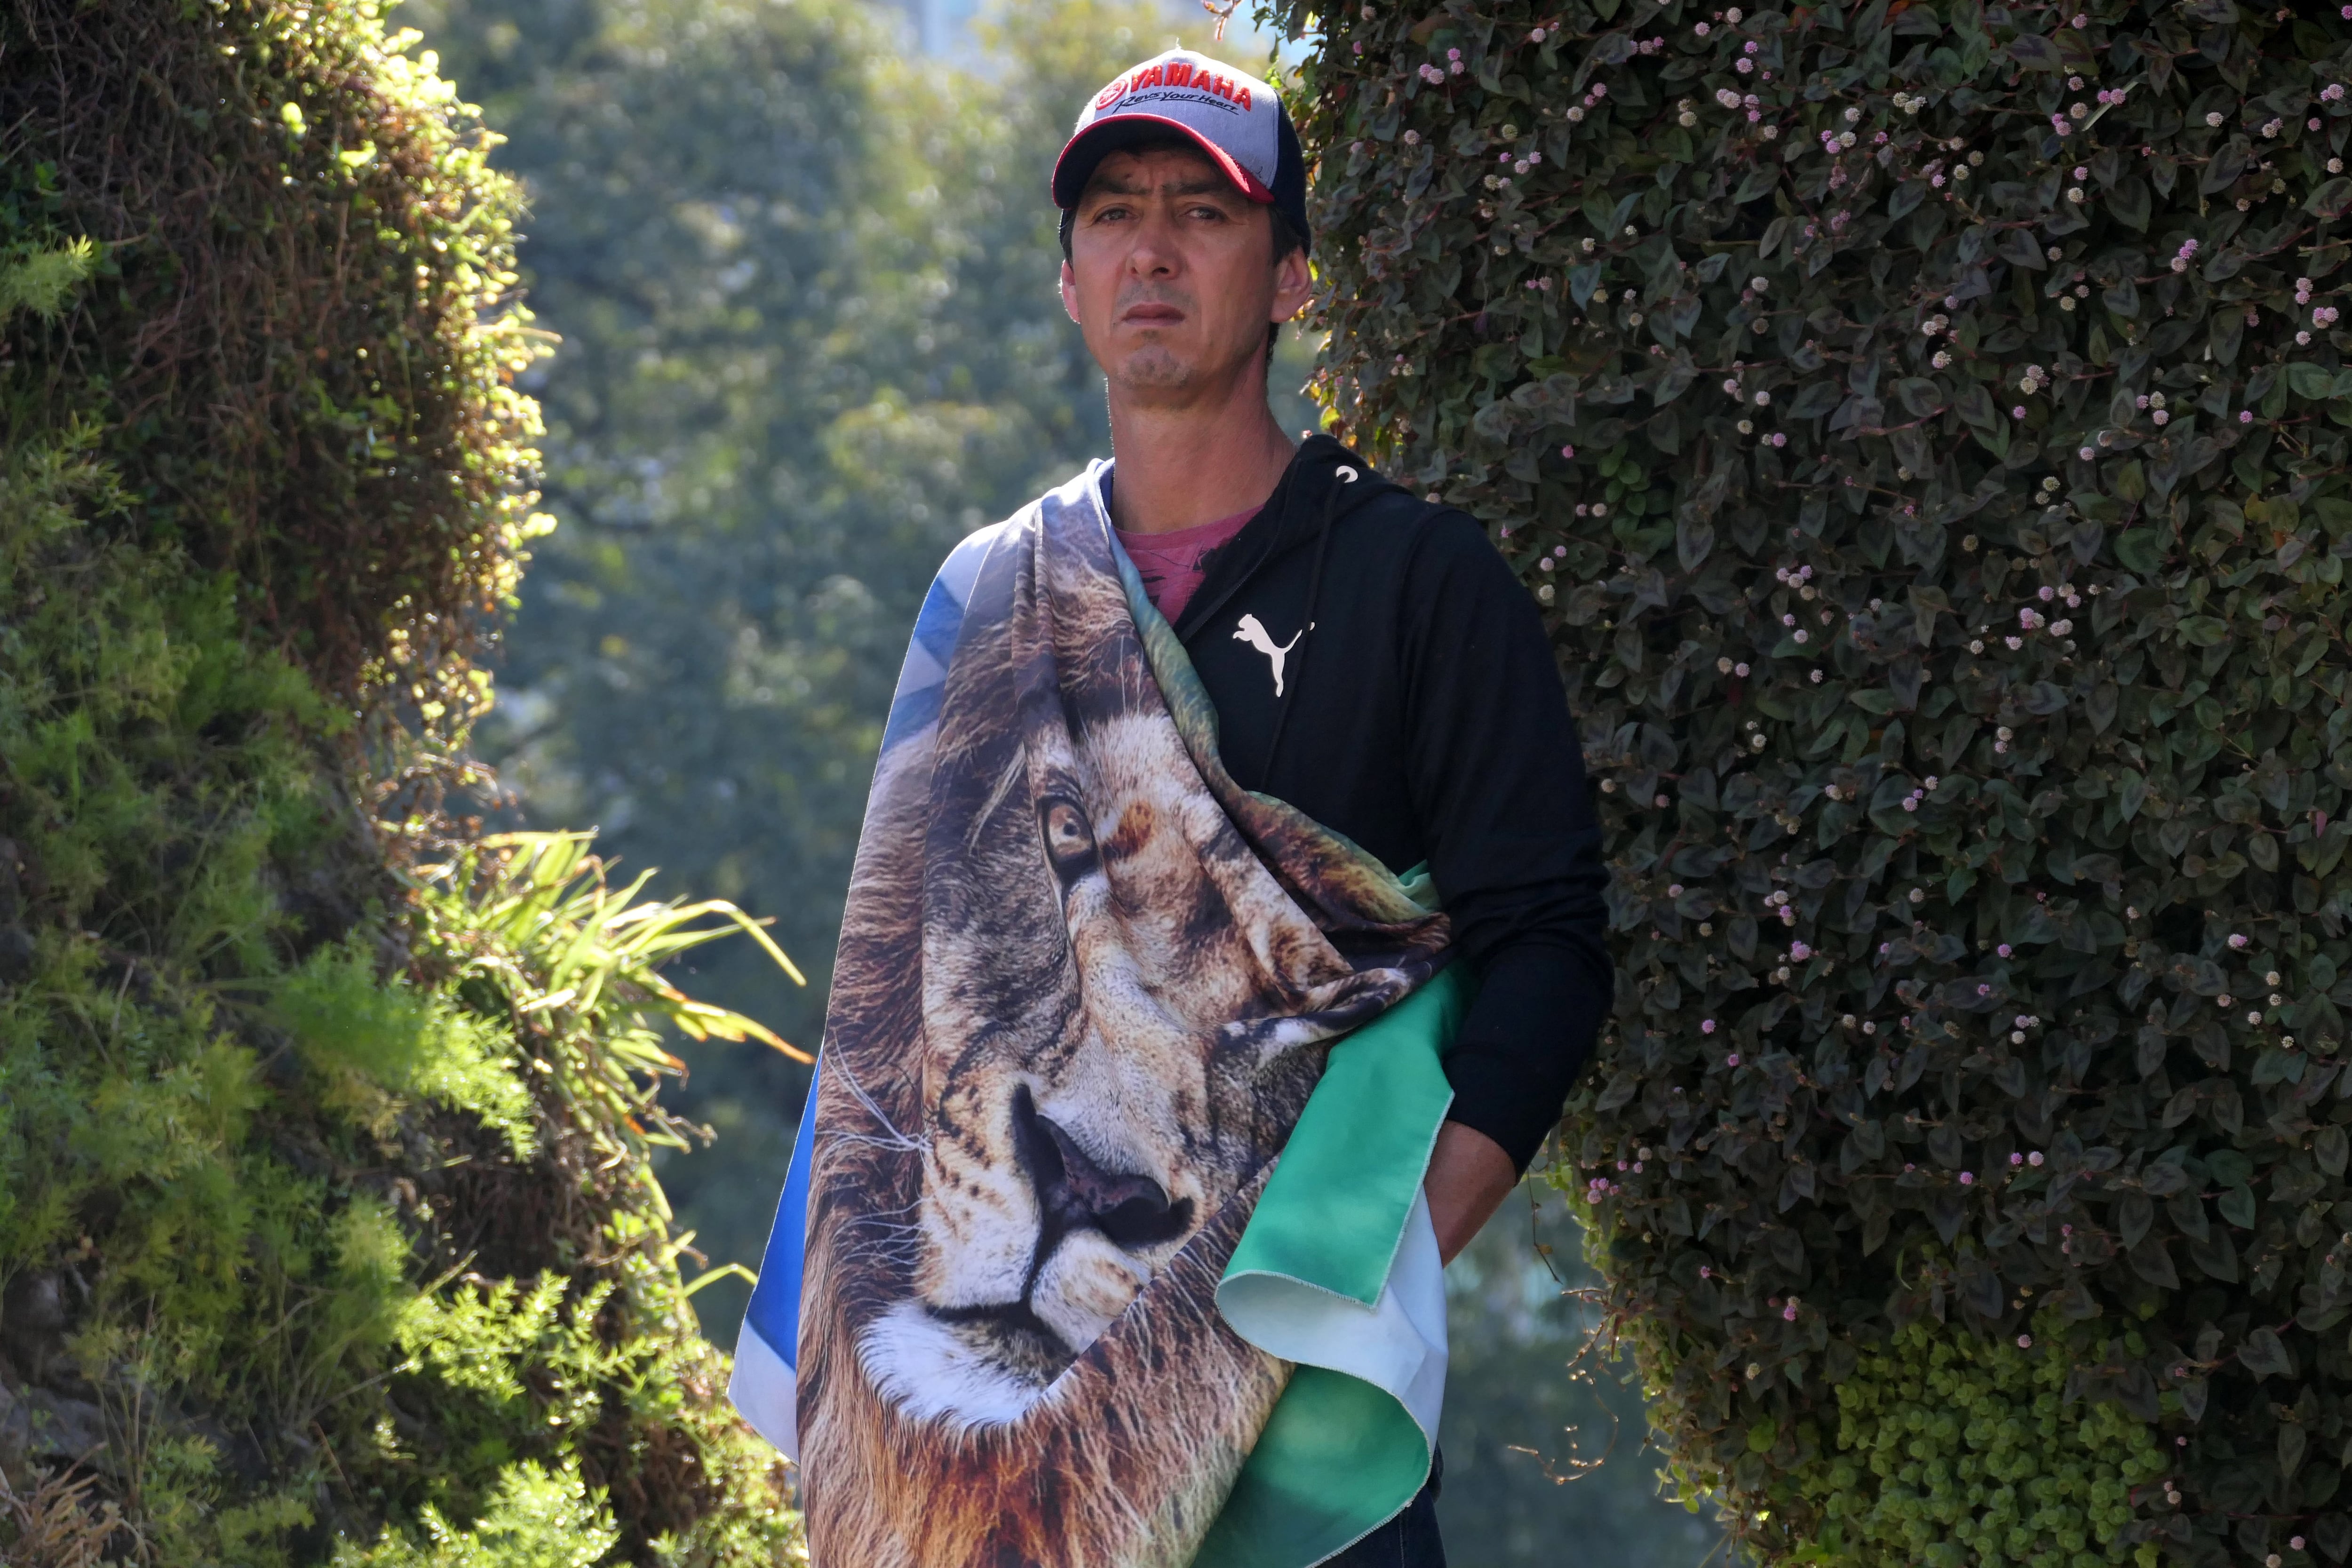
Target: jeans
x: 1408, y: 1541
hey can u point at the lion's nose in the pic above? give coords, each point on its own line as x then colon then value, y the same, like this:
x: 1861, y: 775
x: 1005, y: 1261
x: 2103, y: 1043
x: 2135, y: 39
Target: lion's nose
x: 1076, y: 1191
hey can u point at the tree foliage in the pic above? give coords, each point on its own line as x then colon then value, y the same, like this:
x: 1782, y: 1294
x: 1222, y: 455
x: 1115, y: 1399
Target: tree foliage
x: 326, y: 1225
x: 1925, y: 424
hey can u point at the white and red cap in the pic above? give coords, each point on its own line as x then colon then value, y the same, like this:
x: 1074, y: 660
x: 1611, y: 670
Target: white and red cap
x: 1234, y: 117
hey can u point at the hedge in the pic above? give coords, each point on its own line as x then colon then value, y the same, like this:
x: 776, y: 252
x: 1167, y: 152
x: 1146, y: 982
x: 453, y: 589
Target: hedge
x: 326, y: 1225
x: 1925, y: 424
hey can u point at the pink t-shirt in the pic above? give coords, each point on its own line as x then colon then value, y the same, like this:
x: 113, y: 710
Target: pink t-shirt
x: 1172, y: 565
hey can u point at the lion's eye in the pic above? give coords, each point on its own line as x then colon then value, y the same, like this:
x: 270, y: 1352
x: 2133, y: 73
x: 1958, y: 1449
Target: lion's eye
x: 1069, y: 839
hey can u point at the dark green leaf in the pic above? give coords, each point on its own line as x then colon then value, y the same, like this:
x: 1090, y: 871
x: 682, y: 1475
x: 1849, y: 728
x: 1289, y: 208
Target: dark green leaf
x: 2331, y: 200
x: 2264, y: 1356
x: 2312, y: 381
x: 2036, y: 53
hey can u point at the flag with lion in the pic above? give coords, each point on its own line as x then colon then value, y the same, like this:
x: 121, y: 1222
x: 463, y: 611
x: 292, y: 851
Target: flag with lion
x: 1095, y: 1251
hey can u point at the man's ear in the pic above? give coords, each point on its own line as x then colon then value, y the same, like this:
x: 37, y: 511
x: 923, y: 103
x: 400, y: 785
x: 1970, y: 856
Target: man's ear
x: 1070, y: 292
x: 1294, y: 285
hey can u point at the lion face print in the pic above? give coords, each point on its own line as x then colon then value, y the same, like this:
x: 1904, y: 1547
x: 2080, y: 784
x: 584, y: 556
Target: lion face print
x: 1085, y: 1101
x: 1072, y: 1018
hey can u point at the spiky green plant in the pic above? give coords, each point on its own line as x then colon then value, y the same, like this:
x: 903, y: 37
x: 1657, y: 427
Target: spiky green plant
x: 326, y: 1225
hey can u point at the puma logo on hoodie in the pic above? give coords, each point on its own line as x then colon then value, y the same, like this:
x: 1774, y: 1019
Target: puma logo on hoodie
x: 1252, y: 631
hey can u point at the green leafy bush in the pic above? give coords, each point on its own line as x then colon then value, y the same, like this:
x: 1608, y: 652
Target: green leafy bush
x: 1925, y: 424
x: 326, y: 1223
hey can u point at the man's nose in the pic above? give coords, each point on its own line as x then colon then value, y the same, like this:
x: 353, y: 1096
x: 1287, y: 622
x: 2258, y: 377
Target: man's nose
x: 1154, y: 253
x: 1076, y: 1191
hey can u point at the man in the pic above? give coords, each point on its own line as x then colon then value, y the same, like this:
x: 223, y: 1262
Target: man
x: 1373, y: 660
x: 1095, y: 1249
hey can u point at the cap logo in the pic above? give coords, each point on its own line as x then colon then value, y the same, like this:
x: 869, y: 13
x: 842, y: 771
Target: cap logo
x: 1175, y: 73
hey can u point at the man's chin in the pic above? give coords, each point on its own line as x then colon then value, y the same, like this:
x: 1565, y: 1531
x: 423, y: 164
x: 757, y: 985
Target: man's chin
x: 1155, y: 368
x: 1158, y: 376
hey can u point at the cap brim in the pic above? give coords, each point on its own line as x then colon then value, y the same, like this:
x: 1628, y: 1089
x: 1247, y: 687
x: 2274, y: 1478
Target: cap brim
x: 1089, y: 147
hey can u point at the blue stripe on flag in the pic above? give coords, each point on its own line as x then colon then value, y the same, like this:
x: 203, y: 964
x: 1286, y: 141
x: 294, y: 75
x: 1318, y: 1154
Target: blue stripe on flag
x: 775, y: 1310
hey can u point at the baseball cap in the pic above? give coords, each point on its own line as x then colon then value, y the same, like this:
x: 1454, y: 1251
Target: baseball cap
x: 1234, y: 119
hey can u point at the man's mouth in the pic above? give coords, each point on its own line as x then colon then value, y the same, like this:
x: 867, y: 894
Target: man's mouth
x: 1150, y: 315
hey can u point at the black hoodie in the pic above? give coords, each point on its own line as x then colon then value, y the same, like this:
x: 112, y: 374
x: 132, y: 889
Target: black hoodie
x: 1421, y: 715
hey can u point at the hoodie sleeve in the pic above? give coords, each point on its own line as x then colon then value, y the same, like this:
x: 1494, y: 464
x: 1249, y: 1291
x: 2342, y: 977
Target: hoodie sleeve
x: 1498, y: 783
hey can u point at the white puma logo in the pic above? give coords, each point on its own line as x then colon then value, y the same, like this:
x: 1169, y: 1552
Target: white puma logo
x: 1252, y: 631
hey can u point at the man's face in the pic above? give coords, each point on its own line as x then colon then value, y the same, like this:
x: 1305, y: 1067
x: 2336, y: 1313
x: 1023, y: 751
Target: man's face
x: 1171, y: 275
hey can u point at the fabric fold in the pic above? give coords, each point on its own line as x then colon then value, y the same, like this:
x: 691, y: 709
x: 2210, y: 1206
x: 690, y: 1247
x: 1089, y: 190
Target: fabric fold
x: 1338, y: 1272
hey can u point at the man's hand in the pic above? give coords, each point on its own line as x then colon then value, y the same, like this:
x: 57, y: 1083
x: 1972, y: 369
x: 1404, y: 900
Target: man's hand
x: 1469, y: 1177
